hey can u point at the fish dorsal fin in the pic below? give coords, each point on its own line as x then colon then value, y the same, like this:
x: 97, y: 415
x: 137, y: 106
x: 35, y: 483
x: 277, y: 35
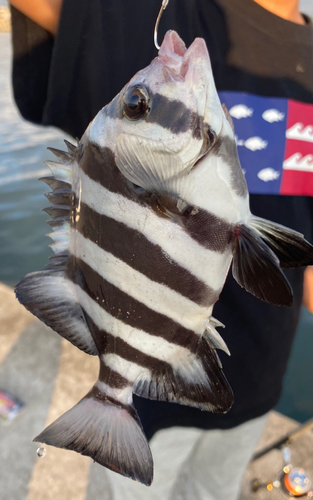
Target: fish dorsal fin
x: 48, y: 294
x: 148, y: 163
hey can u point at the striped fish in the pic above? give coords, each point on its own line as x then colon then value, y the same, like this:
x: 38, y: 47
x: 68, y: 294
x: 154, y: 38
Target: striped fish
x: 148, y: 212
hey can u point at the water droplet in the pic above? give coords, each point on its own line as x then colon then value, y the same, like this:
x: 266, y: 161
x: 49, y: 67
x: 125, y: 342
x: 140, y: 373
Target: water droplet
x: 41, y: 452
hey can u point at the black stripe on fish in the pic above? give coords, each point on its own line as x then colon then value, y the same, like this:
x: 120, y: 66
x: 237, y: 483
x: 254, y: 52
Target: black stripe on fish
x: 98, y: 394
x: 127, y: 309
x: 99, y: 164
x: 207, y: 229
x: 109, y: 344
x: 210, y: 231
x: 109, y: 376
x: 170, y: 114
x: 141, y: 254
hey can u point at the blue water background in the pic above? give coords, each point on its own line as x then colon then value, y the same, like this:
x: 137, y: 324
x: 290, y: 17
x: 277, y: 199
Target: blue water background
x: 24, y: 246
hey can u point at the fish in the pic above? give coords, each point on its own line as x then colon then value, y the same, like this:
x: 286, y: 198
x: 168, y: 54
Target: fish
x: 148, y: 212
x: 255, y: 143
x: 268, y: 174
x: 273, y: 115
x: 240, y: 111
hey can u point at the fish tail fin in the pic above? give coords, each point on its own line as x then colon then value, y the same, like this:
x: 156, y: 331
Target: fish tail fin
x: 107, y: 431
x: 261, y: 249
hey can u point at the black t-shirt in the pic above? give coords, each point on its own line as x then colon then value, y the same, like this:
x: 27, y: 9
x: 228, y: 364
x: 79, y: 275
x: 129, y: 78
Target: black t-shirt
x: 98, y: 48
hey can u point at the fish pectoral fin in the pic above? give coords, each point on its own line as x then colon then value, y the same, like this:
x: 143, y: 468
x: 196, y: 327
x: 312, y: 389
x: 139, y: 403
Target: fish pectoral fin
x: 291, y: 248
x: 109, y: 433
x: 256, y: 268
x: 148, y: 163
x: 197, y: 381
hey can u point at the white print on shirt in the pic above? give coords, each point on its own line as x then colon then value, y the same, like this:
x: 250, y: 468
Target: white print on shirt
x: 240, y: 111
x: 253, y: 143
x: 299, y: 162
x: 300, y: 133
x: 273, y: 115
x: 268, y: 174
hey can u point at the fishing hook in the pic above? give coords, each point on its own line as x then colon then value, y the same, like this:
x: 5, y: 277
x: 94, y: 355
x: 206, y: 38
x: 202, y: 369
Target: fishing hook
x: 163, y: 7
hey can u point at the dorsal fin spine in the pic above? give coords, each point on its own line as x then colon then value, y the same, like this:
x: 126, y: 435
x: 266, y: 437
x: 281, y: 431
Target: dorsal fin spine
x: 60, y: 197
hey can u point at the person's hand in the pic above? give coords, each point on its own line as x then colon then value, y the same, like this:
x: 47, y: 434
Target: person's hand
x: 46, y: 13
x: 307, y: 300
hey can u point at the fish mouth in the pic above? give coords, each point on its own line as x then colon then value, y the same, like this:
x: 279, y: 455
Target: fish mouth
x: 183, y: 64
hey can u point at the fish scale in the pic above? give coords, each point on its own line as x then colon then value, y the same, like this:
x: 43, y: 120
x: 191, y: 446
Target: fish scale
x: 148, y: 212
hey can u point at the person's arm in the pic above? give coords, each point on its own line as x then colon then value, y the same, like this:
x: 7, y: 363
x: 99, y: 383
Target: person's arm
x: 308, y: 289
x: 46, y: 13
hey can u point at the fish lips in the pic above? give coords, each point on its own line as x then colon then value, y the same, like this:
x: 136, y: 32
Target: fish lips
x: 180, y: 61
x: 191, y: 65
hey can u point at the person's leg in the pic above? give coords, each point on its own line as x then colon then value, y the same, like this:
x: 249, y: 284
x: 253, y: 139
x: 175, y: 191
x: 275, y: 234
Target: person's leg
x: 214, y: 468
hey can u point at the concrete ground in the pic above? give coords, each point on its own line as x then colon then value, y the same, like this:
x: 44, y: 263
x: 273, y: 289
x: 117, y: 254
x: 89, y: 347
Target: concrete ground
x: 50, y: 375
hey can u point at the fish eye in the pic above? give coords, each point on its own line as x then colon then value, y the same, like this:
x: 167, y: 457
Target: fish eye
x: 136, y: 102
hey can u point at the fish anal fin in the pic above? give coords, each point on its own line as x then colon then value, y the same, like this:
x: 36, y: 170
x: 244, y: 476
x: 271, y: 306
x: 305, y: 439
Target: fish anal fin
x: 108, y: 432
x: 198, y: 382
x: 256, y: 268
x: 47, y: 294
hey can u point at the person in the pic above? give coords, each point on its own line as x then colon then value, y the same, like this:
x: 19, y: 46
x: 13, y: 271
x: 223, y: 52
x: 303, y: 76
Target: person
x: 73, y: 57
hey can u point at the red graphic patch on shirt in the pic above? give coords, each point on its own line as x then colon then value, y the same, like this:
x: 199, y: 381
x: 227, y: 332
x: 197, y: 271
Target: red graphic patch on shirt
x: 297, y: 175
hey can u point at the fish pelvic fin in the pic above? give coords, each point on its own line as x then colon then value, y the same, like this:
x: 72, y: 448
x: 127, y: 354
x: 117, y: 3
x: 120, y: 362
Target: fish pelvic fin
x: 260, y: 250
x: 107, y: 431
x: 197, y: 381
